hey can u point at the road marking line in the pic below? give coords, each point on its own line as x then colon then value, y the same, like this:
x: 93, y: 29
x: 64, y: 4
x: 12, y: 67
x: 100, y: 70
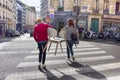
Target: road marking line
x: 51, y: 62
x: 67, y: 71
x: 76, y: 49
x: 64, y: 54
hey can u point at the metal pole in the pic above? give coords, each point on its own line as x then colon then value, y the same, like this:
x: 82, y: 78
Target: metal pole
x: 77, y: 14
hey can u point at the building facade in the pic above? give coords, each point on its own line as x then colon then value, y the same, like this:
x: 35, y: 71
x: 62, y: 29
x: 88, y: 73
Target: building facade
x: 26, y: 17
x: 30, y: 17
x: 21, y: 16
x: 90, y: 14
x: 7, y: 15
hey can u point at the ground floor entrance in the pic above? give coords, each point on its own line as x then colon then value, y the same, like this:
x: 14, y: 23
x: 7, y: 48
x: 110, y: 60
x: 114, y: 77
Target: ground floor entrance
x: 94, y: 24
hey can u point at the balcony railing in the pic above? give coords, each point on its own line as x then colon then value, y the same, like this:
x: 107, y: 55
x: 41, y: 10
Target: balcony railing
x: 60, y: 8
x: 95, y: 10
x: 117, y: 12
x: 106, y: 11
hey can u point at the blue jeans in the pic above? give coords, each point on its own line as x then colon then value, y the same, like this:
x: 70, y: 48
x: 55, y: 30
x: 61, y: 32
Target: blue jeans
x: 42, y: 56
x: 69, y: 48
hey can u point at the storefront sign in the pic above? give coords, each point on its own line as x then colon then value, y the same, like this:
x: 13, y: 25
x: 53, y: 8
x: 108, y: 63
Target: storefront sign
x: 111, y: 16
x: 3, y: 21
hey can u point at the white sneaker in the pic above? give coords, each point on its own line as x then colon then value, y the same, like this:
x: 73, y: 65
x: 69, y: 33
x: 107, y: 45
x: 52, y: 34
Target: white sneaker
x: 44, y: 66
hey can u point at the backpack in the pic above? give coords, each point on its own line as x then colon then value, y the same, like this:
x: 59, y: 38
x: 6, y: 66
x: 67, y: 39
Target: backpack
x: 73, y: 37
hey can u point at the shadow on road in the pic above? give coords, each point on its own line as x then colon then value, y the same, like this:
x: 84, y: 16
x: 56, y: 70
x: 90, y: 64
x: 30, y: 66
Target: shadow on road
x: 51, y: 76
x: 7, y: 39
x: 86, y: 70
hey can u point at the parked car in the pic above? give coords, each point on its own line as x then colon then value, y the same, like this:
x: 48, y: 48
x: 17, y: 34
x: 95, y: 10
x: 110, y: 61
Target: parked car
x: 31, y: 34
x: 10, y: 33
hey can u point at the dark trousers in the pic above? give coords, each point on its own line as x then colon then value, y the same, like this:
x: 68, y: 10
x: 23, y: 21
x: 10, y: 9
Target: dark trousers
x: 69, y: 48
x: 42, y: 55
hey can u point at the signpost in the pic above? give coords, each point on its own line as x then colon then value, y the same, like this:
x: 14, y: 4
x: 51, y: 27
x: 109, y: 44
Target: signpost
x: 51, y: 15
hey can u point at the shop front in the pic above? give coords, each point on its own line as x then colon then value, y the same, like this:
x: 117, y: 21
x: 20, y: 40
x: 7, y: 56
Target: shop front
x: 60, y: 19
x: 109, y: 20
x: 83, y: 20
x: 94, y: 22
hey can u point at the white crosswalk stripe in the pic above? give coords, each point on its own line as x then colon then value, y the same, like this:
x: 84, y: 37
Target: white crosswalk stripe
x: 26, y: 64
x: 84, y: 49
x: 63, y: 55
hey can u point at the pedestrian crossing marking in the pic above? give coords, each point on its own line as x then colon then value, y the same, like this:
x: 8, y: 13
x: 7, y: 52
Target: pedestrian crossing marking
x: 28, y: 64
x: 78, y: 46
x: 64, y: 54
x: 77, y: 49
x: 2, y: 45
x: 84, y: 48
x: 68, y: 71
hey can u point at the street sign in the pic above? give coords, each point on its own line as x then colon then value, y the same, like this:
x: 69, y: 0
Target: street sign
x: 52, y: 16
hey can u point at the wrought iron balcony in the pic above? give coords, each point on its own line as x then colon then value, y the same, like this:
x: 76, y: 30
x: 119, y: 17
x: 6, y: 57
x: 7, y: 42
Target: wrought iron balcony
x: 106, y: 11
x: 95, y: 10
x: 59, y: 8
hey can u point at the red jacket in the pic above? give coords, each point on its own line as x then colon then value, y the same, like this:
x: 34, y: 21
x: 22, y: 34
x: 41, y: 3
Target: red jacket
x: 40, y: 32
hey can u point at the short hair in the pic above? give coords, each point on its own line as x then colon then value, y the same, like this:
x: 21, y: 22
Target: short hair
x: 38, y: 20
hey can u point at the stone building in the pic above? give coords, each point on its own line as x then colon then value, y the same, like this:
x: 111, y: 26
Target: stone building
x: 90, y: 14
x: 7, y: 15
x: 27, y: 15
x: 30, y: 17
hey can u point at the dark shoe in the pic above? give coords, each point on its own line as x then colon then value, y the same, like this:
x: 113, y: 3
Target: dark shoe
x: 73, y: 58
x: 39, y: 66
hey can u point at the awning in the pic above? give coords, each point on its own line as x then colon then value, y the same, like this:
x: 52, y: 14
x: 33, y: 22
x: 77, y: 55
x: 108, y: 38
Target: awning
x: 113, y: 18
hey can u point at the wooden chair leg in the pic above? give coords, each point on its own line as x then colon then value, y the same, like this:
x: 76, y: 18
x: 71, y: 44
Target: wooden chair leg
x: 56, y: 48
x: 49, y: 45
x: 45, y: 47
x: 61, y: 47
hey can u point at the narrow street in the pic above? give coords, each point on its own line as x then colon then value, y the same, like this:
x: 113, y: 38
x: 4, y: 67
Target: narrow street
x: 96, y: 60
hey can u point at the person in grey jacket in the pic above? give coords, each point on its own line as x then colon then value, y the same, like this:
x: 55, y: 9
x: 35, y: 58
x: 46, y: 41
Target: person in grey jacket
x: 69, y: 29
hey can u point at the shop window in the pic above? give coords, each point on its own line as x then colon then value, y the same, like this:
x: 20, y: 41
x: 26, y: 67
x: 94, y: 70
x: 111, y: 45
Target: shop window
x: 95, y: 6
x: 0, y: 30
x: 61, y: 5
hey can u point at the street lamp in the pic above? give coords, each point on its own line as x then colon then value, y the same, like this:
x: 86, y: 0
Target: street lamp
x: 77, y: 13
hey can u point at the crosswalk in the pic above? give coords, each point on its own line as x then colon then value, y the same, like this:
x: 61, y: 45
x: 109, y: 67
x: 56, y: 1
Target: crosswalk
x: 92, y: 63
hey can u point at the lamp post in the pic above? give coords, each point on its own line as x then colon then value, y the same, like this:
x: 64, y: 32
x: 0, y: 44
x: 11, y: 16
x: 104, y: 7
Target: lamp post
x: 77, y: 13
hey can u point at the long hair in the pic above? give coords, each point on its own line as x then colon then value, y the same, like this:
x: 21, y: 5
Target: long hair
x: 70, y: 22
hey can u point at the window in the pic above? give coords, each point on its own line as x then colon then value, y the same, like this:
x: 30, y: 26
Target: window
x: 118, y: 8
x: 61, y: 3
x: 106, y: 4
x: 106, y: 7
x: 95, y: 6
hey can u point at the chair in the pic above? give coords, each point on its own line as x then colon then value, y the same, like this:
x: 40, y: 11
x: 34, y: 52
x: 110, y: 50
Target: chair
x: 52, y: 33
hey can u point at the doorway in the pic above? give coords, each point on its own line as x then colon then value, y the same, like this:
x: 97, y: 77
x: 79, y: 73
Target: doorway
x: 95, y: 24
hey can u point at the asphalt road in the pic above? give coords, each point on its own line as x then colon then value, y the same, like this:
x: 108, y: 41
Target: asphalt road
x: 95, y: 60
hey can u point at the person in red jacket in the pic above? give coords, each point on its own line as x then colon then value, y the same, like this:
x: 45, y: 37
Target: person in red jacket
x: 41, y: 37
